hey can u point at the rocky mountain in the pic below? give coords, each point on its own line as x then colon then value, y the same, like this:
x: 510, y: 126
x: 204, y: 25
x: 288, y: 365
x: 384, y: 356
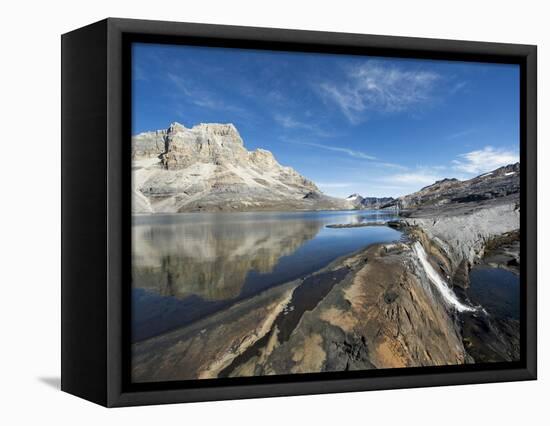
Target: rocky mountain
x: 371, y: 202
x: 500, y: 184
x: 208, y: 168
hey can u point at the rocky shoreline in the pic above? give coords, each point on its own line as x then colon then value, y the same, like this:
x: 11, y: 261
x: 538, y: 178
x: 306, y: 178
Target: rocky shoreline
x: 355, y: 225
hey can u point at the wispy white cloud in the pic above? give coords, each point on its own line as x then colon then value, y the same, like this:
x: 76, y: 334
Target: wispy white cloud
x: 350, y: 152
x: 414, y: 178
x: 374, y: 86
x: 200, y: 97
x: 273, y: 96
x: 390, y: 165
x: 460, y: 134
x: 485, y: 160
x: 289, y: 122
x: 457, y: 87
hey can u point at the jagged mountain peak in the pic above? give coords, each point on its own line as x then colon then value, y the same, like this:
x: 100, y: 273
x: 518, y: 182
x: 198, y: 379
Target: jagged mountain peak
x: 207, y: 167
x: 217, y: 128
x: 206, y: 132
x: 175, y: 127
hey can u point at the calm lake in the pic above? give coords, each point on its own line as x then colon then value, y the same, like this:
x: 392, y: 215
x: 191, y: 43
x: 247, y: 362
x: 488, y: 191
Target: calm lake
x: 190, y: 265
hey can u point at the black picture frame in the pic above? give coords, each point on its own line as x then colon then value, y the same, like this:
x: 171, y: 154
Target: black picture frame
x: 96, y: 123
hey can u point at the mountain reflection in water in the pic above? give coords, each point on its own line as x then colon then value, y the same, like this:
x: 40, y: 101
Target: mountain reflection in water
x: 186, y: 266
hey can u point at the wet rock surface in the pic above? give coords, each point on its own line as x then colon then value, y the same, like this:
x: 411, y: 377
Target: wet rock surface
x: 380, y: 316
x: 491, y: 339
x: 205, y: 348
x: 503, y: 252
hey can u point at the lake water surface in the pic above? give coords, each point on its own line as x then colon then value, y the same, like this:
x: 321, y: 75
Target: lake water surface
x: 187, y: 266
x: 496, y: 289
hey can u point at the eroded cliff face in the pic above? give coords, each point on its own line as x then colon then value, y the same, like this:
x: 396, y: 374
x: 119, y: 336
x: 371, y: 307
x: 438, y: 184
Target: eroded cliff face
x: 207, y: 168
x: 461, y: 238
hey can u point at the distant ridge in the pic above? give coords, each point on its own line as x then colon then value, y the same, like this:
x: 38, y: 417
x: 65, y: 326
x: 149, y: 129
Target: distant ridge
x: 499, y: 183
x: 371, y: 202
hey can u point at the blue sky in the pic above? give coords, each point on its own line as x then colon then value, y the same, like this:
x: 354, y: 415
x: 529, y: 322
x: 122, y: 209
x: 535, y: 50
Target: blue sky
x: 352, y: 124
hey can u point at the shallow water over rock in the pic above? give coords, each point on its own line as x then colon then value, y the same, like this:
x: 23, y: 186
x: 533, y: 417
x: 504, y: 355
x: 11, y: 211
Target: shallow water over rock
x: 496, y: 289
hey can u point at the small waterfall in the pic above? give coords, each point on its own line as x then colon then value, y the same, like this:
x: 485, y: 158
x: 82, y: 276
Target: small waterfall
x: 438, y: 282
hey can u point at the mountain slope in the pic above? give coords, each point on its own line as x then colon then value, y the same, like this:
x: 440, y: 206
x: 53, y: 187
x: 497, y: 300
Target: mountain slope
x: 499, y: 186
x: 207, y: 168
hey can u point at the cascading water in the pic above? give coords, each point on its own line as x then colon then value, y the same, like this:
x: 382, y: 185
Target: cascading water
x: 438, y: 282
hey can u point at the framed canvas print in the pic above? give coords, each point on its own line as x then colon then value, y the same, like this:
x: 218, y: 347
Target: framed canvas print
x: 253, y: 212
